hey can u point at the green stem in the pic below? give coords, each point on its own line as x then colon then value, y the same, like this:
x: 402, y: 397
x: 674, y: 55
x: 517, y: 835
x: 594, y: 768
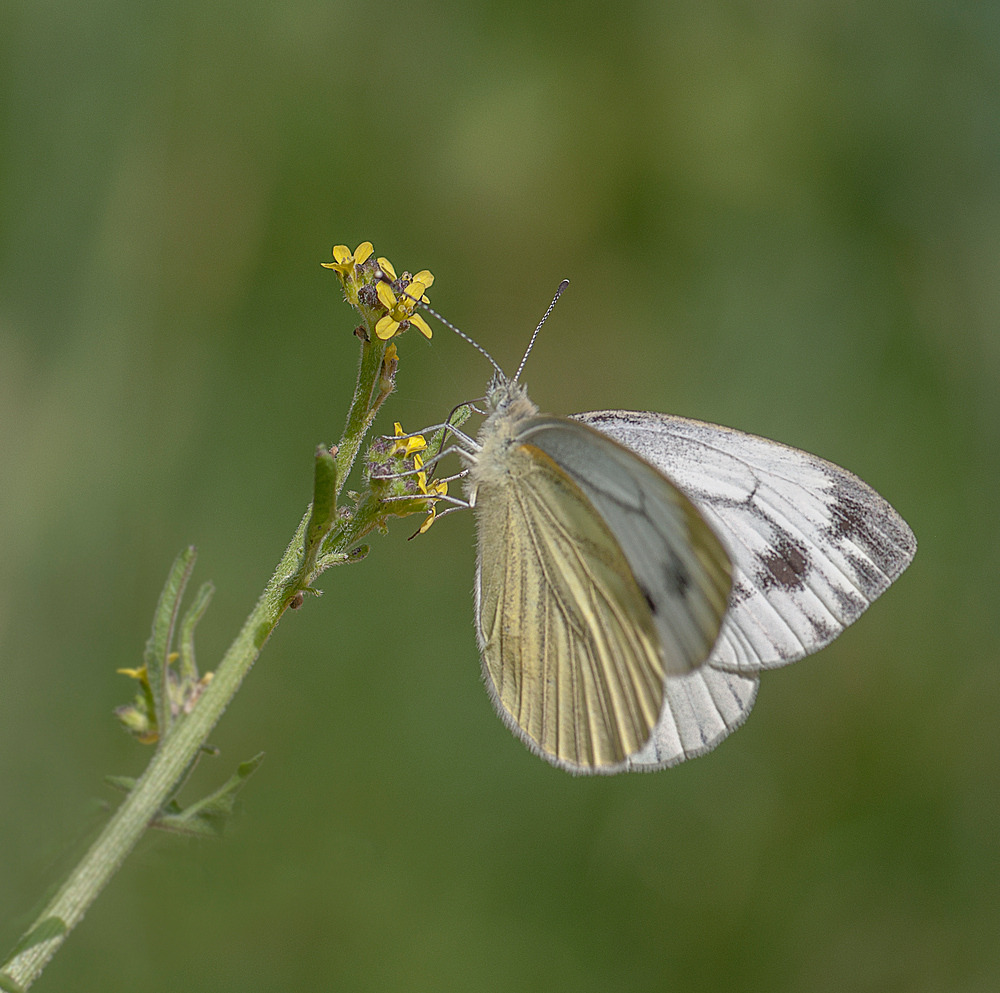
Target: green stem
x: 181, y: 745
x: 363, y: 410
x: 172, y: 758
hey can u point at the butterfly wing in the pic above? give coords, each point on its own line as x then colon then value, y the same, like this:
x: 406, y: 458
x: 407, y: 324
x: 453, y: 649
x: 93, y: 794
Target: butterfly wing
x: 679, y: 564
x: 812, y: 546
x: 699, y: 710
x: 570, y: 651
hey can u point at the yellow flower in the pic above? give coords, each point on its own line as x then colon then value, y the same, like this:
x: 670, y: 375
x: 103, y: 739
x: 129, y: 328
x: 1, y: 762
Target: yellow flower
x: 345, y: 261
x: 407, y: 445
x: 425, y: 276
x: 401, y: 309
x: 440, y: 488
x: 418, y: 463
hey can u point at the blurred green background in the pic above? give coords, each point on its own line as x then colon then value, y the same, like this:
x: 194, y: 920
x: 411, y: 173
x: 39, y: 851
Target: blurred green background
x: 781, y: 216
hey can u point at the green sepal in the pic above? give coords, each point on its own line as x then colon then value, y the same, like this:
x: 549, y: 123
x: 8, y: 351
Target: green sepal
x: 135, y: 719
x: 8, y: 985
x: 342, y: 558
x: 158, y: 645
x: 206, y: 818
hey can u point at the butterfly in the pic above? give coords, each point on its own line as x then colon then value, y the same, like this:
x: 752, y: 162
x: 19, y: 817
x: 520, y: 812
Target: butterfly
x: 636, y: 572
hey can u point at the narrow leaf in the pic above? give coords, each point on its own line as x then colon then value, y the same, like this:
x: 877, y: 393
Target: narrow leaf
x: 187, y: 667
x: 124, y: 784
x: 207, y: 817
x: 158, y: 646
x: 324, y: 495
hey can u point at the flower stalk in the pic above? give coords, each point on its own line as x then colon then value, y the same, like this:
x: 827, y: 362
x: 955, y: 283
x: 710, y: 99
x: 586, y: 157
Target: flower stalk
x: 176, y: 708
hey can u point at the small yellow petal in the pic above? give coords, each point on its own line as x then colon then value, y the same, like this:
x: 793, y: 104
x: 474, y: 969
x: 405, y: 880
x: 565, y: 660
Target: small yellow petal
x: 415, y: 444
x: 139, y: 673
x: 414, y: 291
x: 329, y: 265
x: 426, y: 277
x: 398, y: 446
x: 422, y: 481
x: 363, y: 252
x: 386, y: 266
x: 341, y: 253
x: 418, y: 462
x: 428, y: 521
x: 422, y: 326
x: 386, y: 297
x: 386, y: 327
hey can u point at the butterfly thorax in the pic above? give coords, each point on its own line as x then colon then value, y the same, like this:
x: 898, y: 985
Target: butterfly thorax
x: 510, y: 408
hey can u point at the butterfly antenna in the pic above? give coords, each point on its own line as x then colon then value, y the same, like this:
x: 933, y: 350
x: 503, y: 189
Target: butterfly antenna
x: 475, y: 344
x: 545, y: 317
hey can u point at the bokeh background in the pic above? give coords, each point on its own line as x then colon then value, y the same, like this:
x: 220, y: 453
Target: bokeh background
x: 780, y: 216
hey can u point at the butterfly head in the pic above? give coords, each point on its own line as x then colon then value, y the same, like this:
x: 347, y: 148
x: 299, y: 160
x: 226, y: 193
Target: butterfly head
x: 509, y: 399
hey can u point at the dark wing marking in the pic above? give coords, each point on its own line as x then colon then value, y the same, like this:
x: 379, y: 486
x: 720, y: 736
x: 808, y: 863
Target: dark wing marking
x: 812, y: 545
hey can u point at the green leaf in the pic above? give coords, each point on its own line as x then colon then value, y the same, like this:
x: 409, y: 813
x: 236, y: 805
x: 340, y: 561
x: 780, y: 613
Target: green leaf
x: 207, y: 817
x: 322, y: 518
x: 124, y: 784
x: 187, y: 668
x: 158, y: 645
x: 324, y: 504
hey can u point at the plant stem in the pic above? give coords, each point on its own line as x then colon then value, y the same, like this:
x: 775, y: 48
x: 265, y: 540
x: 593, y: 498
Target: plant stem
x: 180, y: 746
x: 172, y: 758
x: 362, y: 411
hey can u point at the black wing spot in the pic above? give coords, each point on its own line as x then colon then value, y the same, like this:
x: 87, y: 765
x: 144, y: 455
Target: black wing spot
x: 786, y: 566
x: 649, y: 599
x: 676, y: 582
x: 675, y: 576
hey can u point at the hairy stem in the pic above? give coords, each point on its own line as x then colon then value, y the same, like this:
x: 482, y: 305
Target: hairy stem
x: 185, y: 738
x: 363, y: 409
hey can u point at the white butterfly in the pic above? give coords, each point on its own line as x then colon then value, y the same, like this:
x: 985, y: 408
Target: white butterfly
x: 812, y: 546
x: 637, y: 571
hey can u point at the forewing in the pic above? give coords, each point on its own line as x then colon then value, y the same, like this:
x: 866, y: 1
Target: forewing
x: 570, y: 651
x: 678, y: 562
x: 812, y: 545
